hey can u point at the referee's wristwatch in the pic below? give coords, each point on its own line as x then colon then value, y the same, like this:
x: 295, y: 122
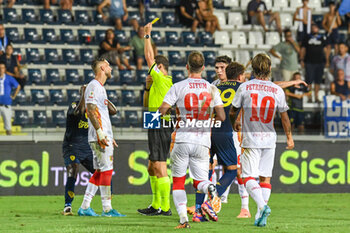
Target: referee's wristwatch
x: 146, y: 36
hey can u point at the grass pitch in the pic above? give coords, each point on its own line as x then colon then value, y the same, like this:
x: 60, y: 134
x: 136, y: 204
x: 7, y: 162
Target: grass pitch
x: 290, y: 213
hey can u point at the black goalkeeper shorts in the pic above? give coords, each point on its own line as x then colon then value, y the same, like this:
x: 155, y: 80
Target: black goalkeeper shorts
x: 159, y: 143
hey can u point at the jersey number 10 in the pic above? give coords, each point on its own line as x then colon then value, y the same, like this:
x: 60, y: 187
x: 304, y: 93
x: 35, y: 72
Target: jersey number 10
x: 262, y: 109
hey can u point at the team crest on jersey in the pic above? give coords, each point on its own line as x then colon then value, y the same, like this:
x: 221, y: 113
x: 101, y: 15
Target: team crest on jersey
x: 106, y: 102
x: 91, y: 94
x: 72, y: 157
x: 111, y: 158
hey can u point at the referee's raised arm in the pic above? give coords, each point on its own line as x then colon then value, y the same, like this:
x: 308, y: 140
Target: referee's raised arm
x: 149, y: 53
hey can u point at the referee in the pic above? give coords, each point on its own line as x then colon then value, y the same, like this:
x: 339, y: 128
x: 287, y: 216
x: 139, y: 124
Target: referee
x: 157, y: 85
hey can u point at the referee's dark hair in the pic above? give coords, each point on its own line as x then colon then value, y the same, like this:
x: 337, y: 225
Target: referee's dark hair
x: 160, y: 59
x: 225, y: 59
x: 195, y: 62
x: 233, y: 70
x: 95, y: 63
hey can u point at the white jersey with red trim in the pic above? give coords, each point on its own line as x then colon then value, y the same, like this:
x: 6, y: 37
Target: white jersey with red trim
x: 259, y: 101
x: 96, y: 94
x: 195, y: 99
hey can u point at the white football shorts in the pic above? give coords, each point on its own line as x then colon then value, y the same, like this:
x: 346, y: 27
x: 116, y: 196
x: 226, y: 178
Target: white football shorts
x: 102, y: 158
x: 192, y: 156
x: 257, y: 162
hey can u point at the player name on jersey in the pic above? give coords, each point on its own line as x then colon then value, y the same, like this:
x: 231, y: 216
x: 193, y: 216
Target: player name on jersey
x: 261, y: 87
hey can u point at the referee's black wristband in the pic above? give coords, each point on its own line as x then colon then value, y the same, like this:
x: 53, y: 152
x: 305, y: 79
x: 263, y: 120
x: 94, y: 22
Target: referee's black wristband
x: 145, y: 89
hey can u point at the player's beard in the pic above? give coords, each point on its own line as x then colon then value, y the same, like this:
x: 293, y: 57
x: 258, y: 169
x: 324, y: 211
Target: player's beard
x: 109, y: 74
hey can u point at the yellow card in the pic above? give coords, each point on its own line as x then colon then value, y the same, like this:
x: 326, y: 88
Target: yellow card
x: 154, y: 21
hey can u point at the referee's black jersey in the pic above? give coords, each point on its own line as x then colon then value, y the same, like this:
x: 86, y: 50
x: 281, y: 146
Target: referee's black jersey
x: 76, y: 129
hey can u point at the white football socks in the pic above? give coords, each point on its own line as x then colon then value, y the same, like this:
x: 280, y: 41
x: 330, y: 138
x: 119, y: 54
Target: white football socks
x: 255, y: 192
x: 106, y: 198
x: 90, y: 192
x: 180, y: 201
x: 244, y: 196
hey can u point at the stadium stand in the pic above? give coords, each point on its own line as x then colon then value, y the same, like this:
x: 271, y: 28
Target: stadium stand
x: 58, y: 46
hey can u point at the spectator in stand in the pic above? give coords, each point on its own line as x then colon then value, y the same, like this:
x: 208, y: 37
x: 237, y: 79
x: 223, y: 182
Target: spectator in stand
x: 12, y: 65
x: 304, y: 16
x: 7, y: 83
x: 341, y: 61
x: 258, y: 14
x: 187, y: 14
x: 289, y: 51
x: 4, y: 41
x: 312, y: 58
x: 331, y: 21
x: 340, y: 87
x: 65, y: 4
x: 206, y: 16
x: 118, y: 13
x: 111, y: 50
x: 10, y: 3
x: 137, y: 42
x: 295, y: 101
x: 347, y: 18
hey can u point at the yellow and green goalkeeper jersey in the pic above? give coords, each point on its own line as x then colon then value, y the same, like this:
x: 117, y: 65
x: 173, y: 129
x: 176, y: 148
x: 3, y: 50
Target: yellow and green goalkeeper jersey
x: 160, y: 86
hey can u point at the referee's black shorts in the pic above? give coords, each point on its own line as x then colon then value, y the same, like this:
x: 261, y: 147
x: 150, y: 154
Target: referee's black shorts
x: 159, y: 141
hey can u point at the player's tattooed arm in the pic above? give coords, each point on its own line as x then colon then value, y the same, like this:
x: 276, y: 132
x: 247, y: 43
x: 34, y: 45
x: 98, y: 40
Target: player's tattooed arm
x: 233, y: 118
x: 286, y: 84
x: 80, y: 108
x: 287, y: 130
x: 91, y: 112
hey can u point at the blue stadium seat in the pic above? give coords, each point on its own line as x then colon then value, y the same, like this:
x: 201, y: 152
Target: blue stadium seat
x: 209, y: 57
x: 10, y: 16
x: 88, y: 76
x: 73, y: 96
x: 169, y: 3
x: 32, y: 55
x: 86, y: 56
x: 188, y: 38
x: 84, y: 36
x: 31, y: 35
x: 38, y: 97
x: 53, y: 77
x: 28, y: 16
x: 72, y: 76
x: 141, y: 76
x: 206, y: 38
x: 40, y: 118
x: 21, y: 118
x: 126, y: 77
x: 117, y: 120
x: 56, y: 97
x: 35, y: 76
x: 99, y: 36
x: 169, y: 19
x: 175, y: 58
x: 178, y: 75
x: 95, y: 2
x: 150, y: 16
x: 58, y: 118
x: 134, y: 15
x: 21, y: 98
x: 51, y: 55
x: 67, y: 36
x: 49, y: 35
x: 82, y: 17
x: 211, y: 75
x: 97, y: 18
x: 157, y: 38
x: 12, y: 34
x: 46, y: 16
x: 172, y: 38
x: 120, y: 36
x: 318, y: 20
x: 113, y: 97
x: 218, y: 4
x: 133, y: 3
x: 129, y: 98
x: 132, y: 119
x: 68, y: 56
x: 65, y: 16
x: 154, y: 4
